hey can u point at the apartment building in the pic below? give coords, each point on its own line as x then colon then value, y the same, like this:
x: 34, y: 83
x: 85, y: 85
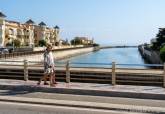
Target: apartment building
x: 28, y: 33
x: 84, y: 40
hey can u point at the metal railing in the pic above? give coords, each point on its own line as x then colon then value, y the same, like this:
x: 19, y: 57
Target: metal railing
x: 115, y: 73
x: 18, y: 54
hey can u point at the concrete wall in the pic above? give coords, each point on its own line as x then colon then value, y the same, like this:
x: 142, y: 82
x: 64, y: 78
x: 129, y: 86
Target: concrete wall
x: 150, y: 56
x: 56, y: 47
x: 58, y: 54
x: 25, y: 49
x: 73, y: 52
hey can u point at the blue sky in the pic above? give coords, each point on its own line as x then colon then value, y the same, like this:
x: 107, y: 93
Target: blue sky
x: 107, y: 21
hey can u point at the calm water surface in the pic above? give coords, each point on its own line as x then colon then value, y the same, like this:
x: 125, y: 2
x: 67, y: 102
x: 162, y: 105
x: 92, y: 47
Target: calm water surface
x: 107, y: 56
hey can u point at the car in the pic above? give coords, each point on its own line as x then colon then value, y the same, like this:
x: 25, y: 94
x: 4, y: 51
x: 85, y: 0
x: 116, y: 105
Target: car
x: 10, y: 49
x: 4, y: 50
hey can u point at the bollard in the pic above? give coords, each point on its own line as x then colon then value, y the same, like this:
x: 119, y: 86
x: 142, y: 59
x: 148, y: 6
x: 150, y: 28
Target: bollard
x: 67, y: 73
x: 13, y: 55
x: 25, y: 70
x: 113, y: 74
x: 164, y: 76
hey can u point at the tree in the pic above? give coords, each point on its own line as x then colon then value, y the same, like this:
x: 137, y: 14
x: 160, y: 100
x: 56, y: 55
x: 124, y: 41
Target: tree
x: 42, y: 43
x: 159, y: 40
x: 57, y: 43
x: 95, y: 45
x: 162, y: 54
x: 17, y: 43
x: 65, y: 42
x: 76, y: 41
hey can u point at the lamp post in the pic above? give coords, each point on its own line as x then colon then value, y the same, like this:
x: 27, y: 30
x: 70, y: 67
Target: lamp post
x: 57, y: 29
x: 13, y: 44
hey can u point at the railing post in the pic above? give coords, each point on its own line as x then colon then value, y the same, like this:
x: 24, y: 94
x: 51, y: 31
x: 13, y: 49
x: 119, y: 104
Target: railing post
x: 113, y: 74
x: 164, y: 75
x: 25, y: 70
x: 67, y: 73
x: 5, y: 55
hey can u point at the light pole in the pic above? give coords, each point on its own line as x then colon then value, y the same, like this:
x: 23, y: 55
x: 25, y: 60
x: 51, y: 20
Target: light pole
x: 13, y: 44
x: 57, y: 29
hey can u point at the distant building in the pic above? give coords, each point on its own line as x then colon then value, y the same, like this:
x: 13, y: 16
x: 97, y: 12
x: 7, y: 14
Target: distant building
x: 29, y: 34
x: 84, y: 40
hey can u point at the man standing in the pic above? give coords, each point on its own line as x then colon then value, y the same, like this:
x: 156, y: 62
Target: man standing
x: 49, y: 67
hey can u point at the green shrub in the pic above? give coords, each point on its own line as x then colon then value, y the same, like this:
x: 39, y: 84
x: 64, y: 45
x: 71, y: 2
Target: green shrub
x: 57, y: 43
x: 42, y: 43
x: 95, y: 44
x: 162, y: 54
x: 17, y: 43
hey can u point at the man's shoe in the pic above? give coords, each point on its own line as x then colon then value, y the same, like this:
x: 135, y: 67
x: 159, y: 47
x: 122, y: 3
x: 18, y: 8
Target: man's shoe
x: 45, y: 83
x: 55, y: 83
x: 52, y: 85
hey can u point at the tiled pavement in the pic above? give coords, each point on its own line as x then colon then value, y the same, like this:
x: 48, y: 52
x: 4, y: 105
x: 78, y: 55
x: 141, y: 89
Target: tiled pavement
x: 148, y: 92
x: 87, y: 86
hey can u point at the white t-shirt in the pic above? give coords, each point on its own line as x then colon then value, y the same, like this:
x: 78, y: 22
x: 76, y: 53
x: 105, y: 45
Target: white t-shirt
x: 49, y: 59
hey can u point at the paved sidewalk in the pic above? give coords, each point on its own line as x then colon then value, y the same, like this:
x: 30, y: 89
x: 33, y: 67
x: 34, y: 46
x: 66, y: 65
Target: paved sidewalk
x: 145, y: 92
x: 87, y: 105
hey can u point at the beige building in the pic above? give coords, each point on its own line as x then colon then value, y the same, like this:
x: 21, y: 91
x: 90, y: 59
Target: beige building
x: 29, y: 34
x: 84, y: 40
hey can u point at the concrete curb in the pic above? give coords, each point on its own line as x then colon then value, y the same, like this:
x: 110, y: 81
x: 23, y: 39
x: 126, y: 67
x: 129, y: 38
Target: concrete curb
x: 32, y: 88
x: 81, y: 104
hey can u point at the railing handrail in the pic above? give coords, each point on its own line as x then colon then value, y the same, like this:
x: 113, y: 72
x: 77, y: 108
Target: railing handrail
x: 91, y: 63
x: 10, y: 61
x: 88, y: 63
x: 149, y: 65
x: 121, y: 64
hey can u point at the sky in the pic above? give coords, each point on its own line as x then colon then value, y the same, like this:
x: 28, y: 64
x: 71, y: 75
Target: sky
x: 107, y: 21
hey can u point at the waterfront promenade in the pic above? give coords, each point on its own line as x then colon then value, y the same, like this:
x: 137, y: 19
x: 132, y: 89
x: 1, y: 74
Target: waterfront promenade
x: 131, y: 91
x: 124, y: 98
x: 67, y: 73
x: 106, y: 91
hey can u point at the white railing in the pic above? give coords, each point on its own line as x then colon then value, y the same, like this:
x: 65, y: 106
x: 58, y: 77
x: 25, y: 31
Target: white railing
x: 113, y: 68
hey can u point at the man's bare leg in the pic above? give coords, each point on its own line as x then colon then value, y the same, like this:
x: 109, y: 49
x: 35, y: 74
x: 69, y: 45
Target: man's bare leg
x: 43, y: 78
x: 51, y: 80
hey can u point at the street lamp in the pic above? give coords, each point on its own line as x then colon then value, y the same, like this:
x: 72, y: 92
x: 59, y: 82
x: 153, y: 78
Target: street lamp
x: 57, y: 29
x: 13, y: 44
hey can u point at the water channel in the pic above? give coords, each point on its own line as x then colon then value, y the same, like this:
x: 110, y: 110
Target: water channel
x: 105, y: 57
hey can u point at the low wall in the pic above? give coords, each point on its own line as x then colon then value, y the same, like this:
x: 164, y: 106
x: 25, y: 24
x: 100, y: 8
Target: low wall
x: 23, y: 49
x: 58, y: 54
x: 68, y: 53
x: 56, y: 47
x: 88, y: 75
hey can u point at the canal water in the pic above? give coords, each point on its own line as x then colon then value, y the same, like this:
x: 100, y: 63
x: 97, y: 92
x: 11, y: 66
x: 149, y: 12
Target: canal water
x: 105, y: 57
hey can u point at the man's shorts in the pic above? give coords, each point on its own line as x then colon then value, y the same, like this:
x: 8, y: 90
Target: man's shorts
x: 49, y: 71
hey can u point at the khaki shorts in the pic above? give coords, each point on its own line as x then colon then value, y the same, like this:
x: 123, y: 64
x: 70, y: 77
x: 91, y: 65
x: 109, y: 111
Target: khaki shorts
x: 49, y: 71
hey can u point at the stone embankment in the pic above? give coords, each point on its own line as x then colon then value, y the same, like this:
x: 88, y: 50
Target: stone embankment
x: 57, y: 53
x: 60, y: 54
x: 150, y: 55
